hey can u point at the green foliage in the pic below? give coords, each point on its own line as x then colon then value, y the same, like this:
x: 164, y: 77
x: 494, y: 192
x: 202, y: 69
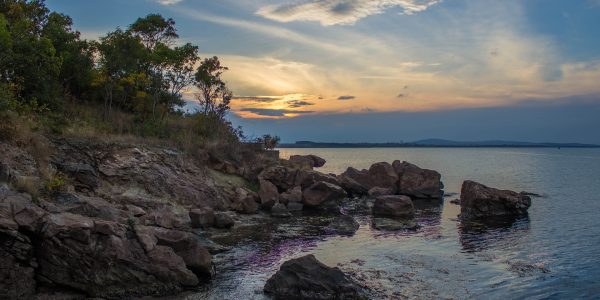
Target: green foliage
x: 128, y: 82
x: 56, y: 183
x: 269, y: 142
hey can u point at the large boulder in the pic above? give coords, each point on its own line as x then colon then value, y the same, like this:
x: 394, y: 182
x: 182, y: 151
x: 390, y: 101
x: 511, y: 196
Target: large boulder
x: 73, y: 251
x: 416, y: 182
x: 321, y: 193
x: 308, y: 278
x: 268, y: 194
x: 480, y: 201
x: 307, y: 161
x: 383, y: 175
x: 356, y: 182
x: 394, y: 206
x: 184, y: 244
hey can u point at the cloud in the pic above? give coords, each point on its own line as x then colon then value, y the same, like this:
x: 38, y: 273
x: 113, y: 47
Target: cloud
x: 257, y: 98
x: 168, y: 2
x: 269, y: 112
x: 299, y: 103
x: 273, y: 31
x: 346, y: 97
x: 339, y: 12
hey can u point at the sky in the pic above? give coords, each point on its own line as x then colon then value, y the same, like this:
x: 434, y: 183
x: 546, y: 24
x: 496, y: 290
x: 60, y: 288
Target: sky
x: 390, y: 70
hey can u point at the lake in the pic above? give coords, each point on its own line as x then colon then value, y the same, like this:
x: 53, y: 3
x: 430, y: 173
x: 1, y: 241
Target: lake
x: 554, y: 253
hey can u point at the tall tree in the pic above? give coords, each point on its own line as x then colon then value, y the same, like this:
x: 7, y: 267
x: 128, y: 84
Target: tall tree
x: 214, y: 95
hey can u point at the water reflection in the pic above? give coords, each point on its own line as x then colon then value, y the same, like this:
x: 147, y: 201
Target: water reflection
x: 476, y: 236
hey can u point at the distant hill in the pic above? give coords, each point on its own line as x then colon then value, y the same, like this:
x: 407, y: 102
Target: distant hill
x: 438, y: 143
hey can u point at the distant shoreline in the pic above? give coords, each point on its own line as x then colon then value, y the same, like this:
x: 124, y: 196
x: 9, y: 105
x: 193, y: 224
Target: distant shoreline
x: 446, y: 144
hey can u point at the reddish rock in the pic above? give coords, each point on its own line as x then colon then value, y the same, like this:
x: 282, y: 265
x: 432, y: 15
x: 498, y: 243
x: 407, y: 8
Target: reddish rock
x: 480, y: 201
x: 322, y: 192
x: 268, y: 193
x: 416, y: 182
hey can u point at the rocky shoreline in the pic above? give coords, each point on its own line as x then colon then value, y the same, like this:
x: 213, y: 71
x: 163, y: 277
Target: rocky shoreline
x: 118, y: 220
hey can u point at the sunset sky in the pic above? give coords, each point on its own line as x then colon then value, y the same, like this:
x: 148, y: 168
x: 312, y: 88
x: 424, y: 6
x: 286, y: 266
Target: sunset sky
x: 391, y: 70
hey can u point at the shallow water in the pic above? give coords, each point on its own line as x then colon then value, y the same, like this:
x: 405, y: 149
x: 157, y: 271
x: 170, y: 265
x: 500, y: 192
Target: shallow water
x: 553, y: 253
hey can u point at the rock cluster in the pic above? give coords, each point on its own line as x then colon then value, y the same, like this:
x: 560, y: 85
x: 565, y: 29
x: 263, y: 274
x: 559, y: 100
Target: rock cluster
x: 401, y: 178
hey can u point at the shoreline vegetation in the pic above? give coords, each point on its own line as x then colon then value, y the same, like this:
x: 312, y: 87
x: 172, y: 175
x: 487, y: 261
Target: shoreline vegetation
x: 436, y: 143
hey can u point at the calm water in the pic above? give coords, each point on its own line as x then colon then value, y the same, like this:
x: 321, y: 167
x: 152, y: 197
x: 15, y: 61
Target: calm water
x: 552, y: 254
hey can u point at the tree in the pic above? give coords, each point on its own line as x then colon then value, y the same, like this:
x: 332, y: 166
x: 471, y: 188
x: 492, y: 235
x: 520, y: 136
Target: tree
x: 76, y: 55
x: 214, y: 95
x: 153, y: 30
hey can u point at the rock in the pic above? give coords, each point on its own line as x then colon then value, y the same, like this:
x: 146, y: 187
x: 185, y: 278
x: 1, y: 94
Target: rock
x: 355, y: 182
x: 167, y: 218
x: 135, y: 210
x: 306, y: 161
x: 380, y: 191
x: 281, y: 176
x: 74, y: 251
x: 394, y: 206
x: 383, y: 175
x: 268, y: 193
x: 202, y: 218
x: 245, y: 202
x: 345, y: 225
x: 295, y: 206
x: 245, y: 206
x: 293, y: 195
x: 223, y: 220
x: 305, y: 179
x: 5, y: 172
x: 307, y: 278
x: 416, y: 182
x: 480, y: 201
x: 280, y: 211
x: 17, y: 265
x: 322, y: 192
x: 394, y: 224
x: 187, y: 246
x: 84, y: 174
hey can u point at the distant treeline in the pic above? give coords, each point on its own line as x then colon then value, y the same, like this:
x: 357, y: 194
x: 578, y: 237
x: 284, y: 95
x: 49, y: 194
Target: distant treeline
x: 441, y: 144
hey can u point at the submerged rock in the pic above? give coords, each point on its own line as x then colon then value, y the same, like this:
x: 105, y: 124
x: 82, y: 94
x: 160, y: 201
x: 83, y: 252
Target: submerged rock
x: 279, y: 210
x: 394, y: 206
x: 480, y: 201
x: 394, y: 224
x: 223, y: 220
x: 344, y: 224
x: 307, y: 278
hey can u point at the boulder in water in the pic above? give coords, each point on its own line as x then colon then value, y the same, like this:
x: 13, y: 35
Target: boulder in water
x: 479, y: 201
x: 308, y: 278
x: 345, y: 225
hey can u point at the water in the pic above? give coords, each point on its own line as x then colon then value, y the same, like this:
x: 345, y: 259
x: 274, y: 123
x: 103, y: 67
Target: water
x: 554, y: 253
